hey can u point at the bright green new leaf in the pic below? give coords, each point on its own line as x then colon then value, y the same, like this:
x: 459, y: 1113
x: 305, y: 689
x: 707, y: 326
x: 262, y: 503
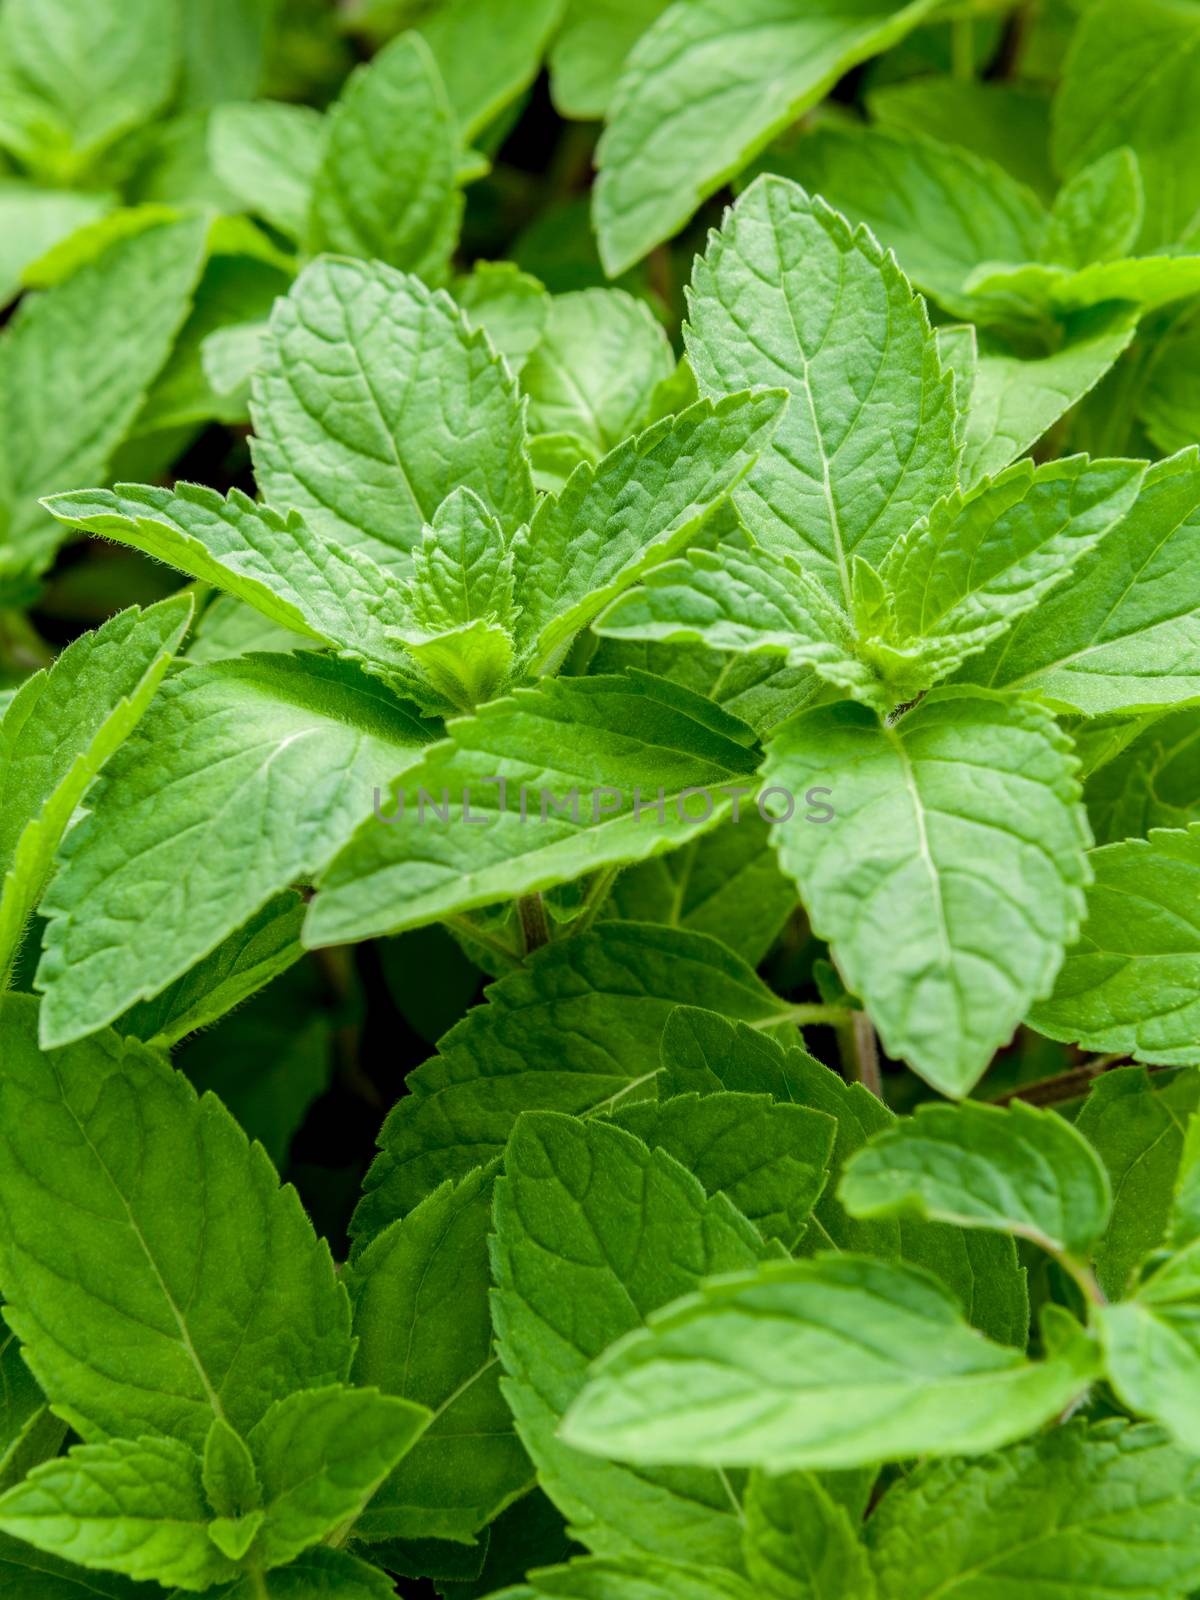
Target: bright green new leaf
x: 635, y: 508
x: 320, y: 1456
x: 959, y: 822
x: 60, y: 729
x: 33, y: 220
x: 1017, y: 1169
x: 1086, y: 1512
x: 576, y: 1029
x: 155, y: 1283
x: 594, y: 1233
x: 704, y: 89
x: 131, y: 1506
x: 463, y: 568
x: 527, y: 804
x: 1130, y: 984
x: 415, y: 1282
x: 868, y: 441
x: 488, y: 52
x: 511, y: 305
x: 1097, y: 215
x: 375, y: 400
x: 385, y: 185
x: 839, y: 1361
x: 247, y: 776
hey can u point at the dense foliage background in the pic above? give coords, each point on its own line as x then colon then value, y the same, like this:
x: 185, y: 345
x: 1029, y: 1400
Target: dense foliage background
x: 521, y: 453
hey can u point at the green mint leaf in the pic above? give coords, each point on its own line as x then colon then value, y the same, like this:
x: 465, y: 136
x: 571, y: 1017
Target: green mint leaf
x: 1168, y: 401
x: 154, y: 1284
x: 29, y: 1433
x: 249, y: 959
x: 374, y: 401
x: 488, y: 52
x: 589, y: 51
x: 320, y: 1455
x: 34, y: 1575
x: 770, y: 1160
x: 511, y: 305
x: 576, y: 1029
x: 225, y: 52
x: 1151, y: 782
x: 418, y: 1275
x: 638, y: 506
x: 839, y: 1361
x: 1136, y: 1125
x: 982, y: 857
x: 704, y: 1052
x: 743, y: 599
x: 1129, y: 984
x: 942, y: 209
x: 385, y: 187
x: 1096, y: 1511
x: 334, y: 593
x: 1015, y: 396
x: 963, y: 574
x: 246, y: 776
x: 1002, y: 120
x: 629, y: 738
x: 800, y: 1543
x: 1145, y: 282
x: 132, y: 1506
x: 868, y: 440
x: 267, y: 153
x: 594, y: 370
x: 1152, y: 1347
x: 88, y: 71
x: 1130, y: 79
x: 319, y: 1574
x: 33, y: 220
x: 102, y: 336
x: 726, y: 884
x: 463, y: 567
x: 230, y: 1478
x: 664, y: 151
x: 61, y: 727
x: 1017, y: 1169
x: 632, y: 1579
x: 588, y: 1219
x: 1097, y: 215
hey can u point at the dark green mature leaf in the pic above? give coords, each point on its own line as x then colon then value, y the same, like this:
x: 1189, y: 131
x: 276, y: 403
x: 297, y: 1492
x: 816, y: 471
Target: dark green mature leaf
x: 1017, y: 1169
x: 247, y: 776
x: 75, y: 366
x: 1153, y: 782
x: 999, y: 119
x: 546, y: 805
x: 423, y: 1328
x: 29, y: 1574
x: 320, y: 1574
x: 704, y: 1052
x: 1089, y: 1512
x: 800, y: 1543
x: 1136, y: 1125
x: 593, y: 1233
x: 868, y: 441
x: 725, y: 883
x: 840, y: 1361
x: 576, y: 1029
x: 157, y: 1282
x: 770, y: 1159
x: 60, y: 729
x: 634, y: 1578
x: 1130, y: 983
x: 385, y: 185
x: 704, y: 89
x: 959, y: 822
x: 29, y: 1433
x: 374, y: 400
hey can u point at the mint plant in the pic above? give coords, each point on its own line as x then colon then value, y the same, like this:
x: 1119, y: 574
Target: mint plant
x: 599, y: 689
